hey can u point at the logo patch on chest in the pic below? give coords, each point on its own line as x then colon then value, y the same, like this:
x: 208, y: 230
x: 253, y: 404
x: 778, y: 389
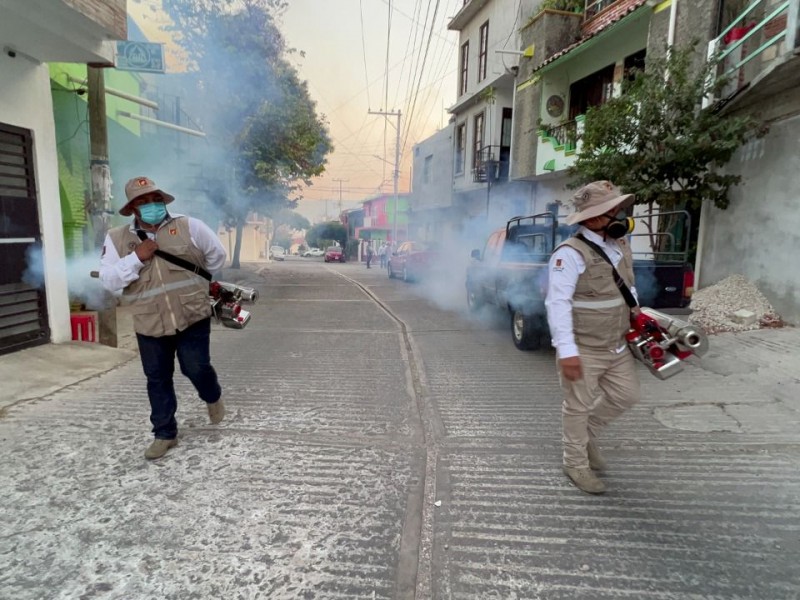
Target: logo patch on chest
x: 173, y: 231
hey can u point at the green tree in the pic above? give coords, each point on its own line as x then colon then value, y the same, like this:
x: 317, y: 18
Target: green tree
x: 289, y: 219
x: 259, y: 113
x: 656, y: 141
x: 322, y: 233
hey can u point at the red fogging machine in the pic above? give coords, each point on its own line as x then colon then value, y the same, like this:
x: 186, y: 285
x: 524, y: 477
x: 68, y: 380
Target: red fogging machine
x: 226, y: 303
x: 662, y: 342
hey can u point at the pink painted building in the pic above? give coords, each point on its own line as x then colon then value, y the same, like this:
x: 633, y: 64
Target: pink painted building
x: 379, y: 219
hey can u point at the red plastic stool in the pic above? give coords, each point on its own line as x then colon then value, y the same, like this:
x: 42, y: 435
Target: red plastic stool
x: 84, y: 327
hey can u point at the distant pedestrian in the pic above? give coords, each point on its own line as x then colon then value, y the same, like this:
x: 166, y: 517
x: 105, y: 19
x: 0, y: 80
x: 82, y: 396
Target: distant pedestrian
x: 370, y: 253
x: 382, y: 254
x: 171, y: 311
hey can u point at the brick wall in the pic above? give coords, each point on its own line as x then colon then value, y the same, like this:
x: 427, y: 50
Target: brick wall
x: 109, y: 14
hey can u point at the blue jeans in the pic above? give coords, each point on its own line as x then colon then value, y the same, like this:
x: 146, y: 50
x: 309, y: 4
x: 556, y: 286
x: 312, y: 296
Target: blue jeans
x: 158, y: 361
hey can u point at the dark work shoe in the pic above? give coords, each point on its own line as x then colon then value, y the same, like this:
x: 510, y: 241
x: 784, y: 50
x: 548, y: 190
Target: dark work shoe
x: 216, y: 411
x: 159, y: 448
x: 585, y: 480
x: 596, y: 460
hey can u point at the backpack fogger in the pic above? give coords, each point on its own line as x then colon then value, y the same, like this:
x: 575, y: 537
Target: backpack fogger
x: 660, y: 341
x: 225, y: 298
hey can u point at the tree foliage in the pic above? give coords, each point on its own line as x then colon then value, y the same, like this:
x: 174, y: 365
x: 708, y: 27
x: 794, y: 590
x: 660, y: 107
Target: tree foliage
x: 290, y: 220
x: 257, y: 111
x: 322, y: 233
x: 656, y: 141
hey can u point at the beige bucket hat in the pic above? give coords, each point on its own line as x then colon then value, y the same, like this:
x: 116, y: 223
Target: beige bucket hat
x: 139, y: 186
x: 596, y: 198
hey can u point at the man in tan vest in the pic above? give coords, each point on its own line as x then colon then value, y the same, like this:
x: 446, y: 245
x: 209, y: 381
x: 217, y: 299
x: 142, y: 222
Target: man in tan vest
x: 588, y: 318
x: 170, y: 304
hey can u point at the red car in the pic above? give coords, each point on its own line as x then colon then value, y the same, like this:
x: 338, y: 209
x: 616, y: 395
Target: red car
x: 412, y: 261
x: 334, y: 254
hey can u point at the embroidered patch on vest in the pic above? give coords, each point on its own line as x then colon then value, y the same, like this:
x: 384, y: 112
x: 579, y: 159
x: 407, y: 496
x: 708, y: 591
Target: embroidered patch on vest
x: 173, y: 231
x: 558, y: 266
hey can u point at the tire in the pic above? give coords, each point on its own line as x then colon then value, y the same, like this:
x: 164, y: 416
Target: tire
x: 526, y: 330
x: 389, y: 271
x: 474, y: 303
x: 406, y: 275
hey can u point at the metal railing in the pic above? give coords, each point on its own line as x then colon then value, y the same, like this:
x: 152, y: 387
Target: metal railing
x: 565, y: 134
x: 489, y: 165
x: 594, y: 7
x: 759, y: 26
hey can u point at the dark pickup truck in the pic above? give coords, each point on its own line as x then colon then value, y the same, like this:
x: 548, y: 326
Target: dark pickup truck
x: 511, y: 272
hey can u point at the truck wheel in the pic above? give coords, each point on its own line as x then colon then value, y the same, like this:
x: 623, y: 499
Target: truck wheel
x: 474, y: 303
x: 526, y: 331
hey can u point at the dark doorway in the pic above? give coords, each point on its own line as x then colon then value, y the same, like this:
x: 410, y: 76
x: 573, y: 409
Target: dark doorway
x: 592, y: 90
x: 23, y: 312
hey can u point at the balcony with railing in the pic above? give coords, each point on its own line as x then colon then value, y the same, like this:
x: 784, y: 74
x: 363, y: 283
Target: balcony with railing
x: 594, y: 7
x: 491, y: 165
x: 757, y: 52
x: 558, y: 146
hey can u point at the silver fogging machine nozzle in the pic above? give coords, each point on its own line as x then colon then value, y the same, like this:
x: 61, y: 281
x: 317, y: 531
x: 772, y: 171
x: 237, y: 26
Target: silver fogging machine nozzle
x: 687, y: 335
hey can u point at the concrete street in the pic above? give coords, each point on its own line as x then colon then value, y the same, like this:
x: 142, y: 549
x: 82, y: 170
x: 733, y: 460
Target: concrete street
x: 383, y: 444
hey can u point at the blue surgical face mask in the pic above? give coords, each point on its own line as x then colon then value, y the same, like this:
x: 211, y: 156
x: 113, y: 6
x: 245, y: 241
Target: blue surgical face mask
x: 153, y: 213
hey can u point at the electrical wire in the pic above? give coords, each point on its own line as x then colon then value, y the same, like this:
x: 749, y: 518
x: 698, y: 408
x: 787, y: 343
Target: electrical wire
x: 364, y: 48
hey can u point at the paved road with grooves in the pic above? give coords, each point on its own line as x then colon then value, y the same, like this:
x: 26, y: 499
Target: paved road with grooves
x: 379, y: 446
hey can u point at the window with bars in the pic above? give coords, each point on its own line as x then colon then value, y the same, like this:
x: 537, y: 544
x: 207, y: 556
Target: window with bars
x: 483, y: 51
x: 478, y: 142
x: 464, y: 70
x: 461, y: 147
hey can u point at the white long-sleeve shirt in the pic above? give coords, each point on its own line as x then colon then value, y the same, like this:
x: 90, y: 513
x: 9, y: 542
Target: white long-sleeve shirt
x: 565, y: 266
x: 117, y: 272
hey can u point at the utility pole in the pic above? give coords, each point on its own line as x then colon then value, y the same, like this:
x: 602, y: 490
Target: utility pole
x: 396, y: 163
x: 100, y: 205
x: 340, y: 193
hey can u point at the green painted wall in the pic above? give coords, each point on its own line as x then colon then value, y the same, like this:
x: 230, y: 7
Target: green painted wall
x: 70, y: 110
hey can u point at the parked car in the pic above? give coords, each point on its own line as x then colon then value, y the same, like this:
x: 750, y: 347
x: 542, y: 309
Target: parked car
x: 277, y: 253
x: 313, y: 252
x: 334, y: 254
x: 412, y: 261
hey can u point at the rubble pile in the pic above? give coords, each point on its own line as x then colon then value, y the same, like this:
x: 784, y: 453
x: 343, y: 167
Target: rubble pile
x: 733, y: 304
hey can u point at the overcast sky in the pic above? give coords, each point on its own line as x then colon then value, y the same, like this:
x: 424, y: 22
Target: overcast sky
x: 345, y: 64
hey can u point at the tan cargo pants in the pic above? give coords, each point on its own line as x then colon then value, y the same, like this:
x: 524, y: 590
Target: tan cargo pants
x: 609, y: 387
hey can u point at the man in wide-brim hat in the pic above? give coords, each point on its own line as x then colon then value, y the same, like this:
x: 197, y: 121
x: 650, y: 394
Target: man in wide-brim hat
x: 588, y: 318
x: 169, y: 303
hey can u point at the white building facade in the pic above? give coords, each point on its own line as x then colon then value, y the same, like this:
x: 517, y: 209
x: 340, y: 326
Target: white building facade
x: 34, y: 302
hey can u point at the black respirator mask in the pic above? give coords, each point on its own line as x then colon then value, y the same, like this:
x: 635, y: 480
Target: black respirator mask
x: 619, y: 226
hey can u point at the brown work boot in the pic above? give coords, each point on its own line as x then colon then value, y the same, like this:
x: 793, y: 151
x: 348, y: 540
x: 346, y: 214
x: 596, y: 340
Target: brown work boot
x: 159, y: 448
x: 596, y: 460
x: 585, y: 480
x: 216, y: 411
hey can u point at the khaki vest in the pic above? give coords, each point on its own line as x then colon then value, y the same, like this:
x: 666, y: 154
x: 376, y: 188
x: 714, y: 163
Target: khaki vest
x: 600, y: 315
x: 166, y: 298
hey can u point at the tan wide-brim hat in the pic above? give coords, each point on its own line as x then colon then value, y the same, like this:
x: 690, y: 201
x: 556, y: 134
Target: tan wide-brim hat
x: 597, y: 198
x: 139, y: 186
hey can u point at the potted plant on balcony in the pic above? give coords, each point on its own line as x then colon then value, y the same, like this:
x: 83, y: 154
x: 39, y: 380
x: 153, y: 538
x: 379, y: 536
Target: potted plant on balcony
x: 575, y: 6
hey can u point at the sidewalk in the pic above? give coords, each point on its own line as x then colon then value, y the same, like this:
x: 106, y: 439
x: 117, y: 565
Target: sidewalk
x: 43, y: 370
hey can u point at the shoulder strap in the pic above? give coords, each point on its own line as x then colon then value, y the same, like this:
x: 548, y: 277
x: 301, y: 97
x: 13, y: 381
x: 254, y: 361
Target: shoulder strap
x: 175, y: 260
x: 624, y: 290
